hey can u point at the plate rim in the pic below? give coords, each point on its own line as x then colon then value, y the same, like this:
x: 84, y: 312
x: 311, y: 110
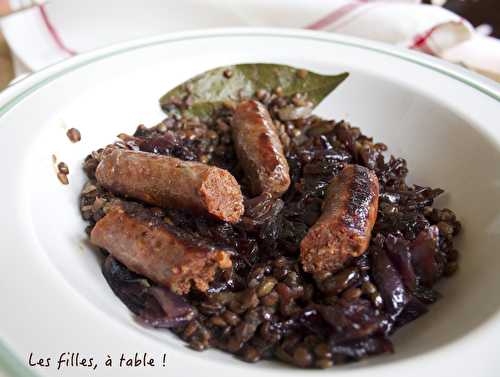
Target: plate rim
x: 15, y: 93
x: 480, y: 83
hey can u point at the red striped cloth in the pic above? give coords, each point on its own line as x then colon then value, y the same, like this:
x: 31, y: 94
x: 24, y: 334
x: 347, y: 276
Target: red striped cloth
x: 59, y: 29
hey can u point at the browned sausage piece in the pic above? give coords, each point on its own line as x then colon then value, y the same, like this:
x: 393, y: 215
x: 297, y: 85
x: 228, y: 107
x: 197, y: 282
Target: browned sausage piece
x: 344, y: 228
x: 171, y: 183
x: 155, y: 251
x: 259, y: 149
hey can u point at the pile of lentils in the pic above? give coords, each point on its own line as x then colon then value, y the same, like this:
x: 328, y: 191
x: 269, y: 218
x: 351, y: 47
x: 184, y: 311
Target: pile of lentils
x: 267, y: 307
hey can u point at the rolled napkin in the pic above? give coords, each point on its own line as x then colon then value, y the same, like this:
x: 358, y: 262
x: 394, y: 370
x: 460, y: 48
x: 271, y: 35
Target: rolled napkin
x: 480, y: 53
x: 61, y: 28
x: 405, y: 23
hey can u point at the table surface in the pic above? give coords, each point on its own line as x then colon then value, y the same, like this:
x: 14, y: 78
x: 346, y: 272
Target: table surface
x: 6, y: 68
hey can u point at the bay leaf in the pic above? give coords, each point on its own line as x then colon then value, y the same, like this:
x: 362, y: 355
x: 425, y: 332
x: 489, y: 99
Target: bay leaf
x: 209, y: 90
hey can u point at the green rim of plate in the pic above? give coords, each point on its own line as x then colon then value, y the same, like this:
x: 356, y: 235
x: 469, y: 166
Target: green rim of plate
x: 404, y: 55
x: 9, y: 362
x: 12, y: 365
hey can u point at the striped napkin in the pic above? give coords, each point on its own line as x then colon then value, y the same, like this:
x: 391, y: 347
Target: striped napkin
x: 48, y: 33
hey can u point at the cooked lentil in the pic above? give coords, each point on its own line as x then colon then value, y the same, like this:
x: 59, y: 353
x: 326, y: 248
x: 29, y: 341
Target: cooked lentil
x: 74, y: 135
x: 63, y: 168
x: 63, y: 178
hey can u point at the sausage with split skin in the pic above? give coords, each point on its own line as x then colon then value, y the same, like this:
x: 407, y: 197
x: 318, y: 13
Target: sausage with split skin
x: 344, y: 228
x: 157, y: 252
x: 259, y: 149
x: 169, y: 182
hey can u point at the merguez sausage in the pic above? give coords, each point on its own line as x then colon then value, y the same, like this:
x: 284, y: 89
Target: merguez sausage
x: 155, y: 251
x: 171, y: 183
x: 344, y: 228
x: 259, y: 149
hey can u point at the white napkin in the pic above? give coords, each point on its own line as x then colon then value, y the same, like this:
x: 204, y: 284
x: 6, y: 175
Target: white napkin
x: 43, y: 35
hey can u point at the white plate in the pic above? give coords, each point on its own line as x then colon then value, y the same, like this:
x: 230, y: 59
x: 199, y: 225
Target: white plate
x: 443, y: 119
